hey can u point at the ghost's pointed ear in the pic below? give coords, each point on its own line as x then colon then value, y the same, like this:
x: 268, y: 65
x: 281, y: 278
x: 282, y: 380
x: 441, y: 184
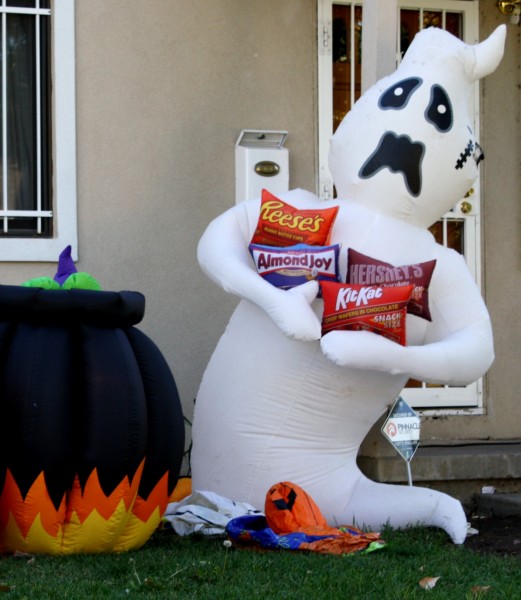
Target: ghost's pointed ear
x: 489, y: 53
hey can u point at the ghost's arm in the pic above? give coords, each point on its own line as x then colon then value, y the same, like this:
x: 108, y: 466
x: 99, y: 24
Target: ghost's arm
x: 223, y: 255
x: 458, y: 347
x: 459, y: 359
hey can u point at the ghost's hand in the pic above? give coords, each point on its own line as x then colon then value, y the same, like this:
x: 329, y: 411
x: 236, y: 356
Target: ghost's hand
x: 291, y: 311
x: 362, y: 350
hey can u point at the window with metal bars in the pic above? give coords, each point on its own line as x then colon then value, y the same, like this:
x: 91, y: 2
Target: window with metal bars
x: 25, y: 150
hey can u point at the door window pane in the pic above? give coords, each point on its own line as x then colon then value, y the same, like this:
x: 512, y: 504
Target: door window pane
x: 413, y: 20
x: 451, y: 233
x: 347, y: 59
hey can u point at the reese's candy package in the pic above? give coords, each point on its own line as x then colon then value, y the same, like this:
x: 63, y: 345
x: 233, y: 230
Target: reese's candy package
x: 281, y: 224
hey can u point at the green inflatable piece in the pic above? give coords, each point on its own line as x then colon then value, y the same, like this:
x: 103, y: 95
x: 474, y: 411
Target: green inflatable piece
x: 47, y: 283
x: 66, y: 278
x: 81, y: 280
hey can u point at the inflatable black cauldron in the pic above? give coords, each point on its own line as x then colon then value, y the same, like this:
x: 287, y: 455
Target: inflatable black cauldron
x: 91, y: 427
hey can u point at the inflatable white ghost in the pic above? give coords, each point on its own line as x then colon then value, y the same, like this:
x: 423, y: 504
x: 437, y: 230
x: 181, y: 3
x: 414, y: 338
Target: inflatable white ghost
x: 278, y: 402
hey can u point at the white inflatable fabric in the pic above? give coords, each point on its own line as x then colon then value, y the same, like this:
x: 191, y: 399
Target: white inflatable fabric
x: 407, y: 149
x: 205, y: 513
x: 278, y: 403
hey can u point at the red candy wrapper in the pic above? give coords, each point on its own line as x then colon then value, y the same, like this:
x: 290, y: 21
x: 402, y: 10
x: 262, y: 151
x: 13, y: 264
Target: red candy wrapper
x: 380, y: 309
x: 370, y: 271
x: 281, y: 224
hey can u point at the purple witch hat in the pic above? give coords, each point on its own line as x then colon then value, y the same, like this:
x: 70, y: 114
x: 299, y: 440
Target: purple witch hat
x: 66, y: 266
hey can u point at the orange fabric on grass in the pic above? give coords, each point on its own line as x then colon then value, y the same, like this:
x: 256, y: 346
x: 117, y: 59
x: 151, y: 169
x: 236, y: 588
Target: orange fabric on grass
x: 289, y: 509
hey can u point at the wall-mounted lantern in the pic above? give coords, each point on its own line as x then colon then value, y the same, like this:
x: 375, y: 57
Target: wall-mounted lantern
x: 261, y: 161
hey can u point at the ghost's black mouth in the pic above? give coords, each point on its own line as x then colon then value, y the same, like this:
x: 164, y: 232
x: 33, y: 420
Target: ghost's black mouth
x: 399, y: 154
x: 472, y: 149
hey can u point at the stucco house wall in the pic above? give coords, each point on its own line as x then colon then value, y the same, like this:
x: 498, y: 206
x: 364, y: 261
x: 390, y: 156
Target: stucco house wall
x: 163, y: 90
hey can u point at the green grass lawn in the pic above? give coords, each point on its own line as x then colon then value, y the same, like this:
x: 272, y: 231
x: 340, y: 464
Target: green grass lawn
x: 169, y: 566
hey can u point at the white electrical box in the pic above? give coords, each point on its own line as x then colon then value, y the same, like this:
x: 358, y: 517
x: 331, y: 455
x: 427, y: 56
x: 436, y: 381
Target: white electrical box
x: 261, y: 161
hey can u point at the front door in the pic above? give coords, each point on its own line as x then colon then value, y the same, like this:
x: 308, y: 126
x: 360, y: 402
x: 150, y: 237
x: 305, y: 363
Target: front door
x: 339, y: 62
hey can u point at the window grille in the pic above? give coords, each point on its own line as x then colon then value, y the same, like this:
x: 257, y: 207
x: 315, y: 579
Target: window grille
x: 25, y: 163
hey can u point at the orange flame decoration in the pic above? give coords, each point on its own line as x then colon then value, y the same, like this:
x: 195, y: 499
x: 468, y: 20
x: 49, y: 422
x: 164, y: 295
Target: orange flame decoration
x: 86, y: 521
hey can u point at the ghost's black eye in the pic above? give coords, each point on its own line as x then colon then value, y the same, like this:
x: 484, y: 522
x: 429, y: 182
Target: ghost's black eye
x: 397, y: 96
x: 439, y: 111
